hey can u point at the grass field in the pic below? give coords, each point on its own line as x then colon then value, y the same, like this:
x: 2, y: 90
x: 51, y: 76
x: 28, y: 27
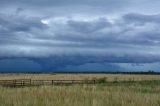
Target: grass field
x: 109, y: 77
x: 118, y: 90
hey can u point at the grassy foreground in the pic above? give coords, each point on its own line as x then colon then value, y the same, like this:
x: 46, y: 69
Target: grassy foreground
x: 119, y: 93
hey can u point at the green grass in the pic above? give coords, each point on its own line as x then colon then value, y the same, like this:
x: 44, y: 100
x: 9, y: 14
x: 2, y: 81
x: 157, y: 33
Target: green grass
x: 105, y: 93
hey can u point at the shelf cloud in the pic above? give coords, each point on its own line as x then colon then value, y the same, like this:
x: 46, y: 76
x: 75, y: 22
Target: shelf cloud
x: 73, y: 35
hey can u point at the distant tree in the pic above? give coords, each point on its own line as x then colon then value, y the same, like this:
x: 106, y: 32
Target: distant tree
x: 150, y: 71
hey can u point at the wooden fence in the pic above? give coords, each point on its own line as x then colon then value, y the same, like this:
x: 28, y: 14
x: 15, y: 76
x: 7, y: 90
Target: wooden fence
x: 29, y: 82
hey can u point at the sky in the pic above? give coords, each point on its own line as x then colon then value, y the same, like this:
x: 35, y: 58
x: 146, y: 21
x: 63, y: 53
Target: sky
x: 79, y: 35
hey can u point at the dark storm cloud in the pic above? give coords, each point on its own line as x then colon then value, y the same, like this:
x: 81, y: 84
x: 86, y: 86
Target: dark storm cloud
x: 78, y: 32
x: 95, y: 36
x: 75, y: 63
x: 17, y: 65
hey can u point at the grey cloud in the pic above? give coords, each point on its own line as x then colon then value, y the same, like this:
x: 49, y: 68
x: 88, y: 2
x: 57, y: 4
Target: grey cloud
x: 19, y: 23
x: 119, y: 32
x: 89, y: 27
x: 77, y: 32
x: 99, y: 36
x: 63, y: 7
x: 93, y: 30
x: 141, y: 19
x: 71, y: 7
x: 16, y: 29
x: 64, y: 2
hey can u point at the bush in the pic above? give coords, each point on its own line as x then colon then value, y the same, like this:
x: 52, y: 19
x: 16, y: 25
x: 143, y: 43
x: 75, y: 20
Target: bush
x: 101, y: 80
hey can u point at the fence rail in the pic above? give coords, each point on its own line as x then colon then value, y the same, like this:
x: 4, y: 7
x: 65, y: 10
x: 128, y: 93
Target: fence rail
x: 29, y: 82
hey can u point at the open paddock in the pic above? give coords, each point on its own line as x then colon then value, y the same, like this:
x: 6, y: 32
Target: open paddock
x: 58, y: 76
x: 118, y: 90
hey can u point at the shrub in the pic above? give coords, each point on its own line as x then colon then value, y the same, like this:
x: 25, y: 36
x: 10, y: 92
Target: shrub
x: 101, y: 80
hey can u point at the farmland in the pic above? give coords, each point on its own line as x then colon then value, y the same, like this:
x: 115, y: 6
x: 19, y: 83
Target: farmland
x: 117, y: 90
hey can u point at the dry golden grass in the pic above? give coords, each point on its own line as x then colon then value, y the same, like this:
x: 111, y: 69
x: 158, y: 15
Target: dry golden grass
x: 116, y: 94
x: 109, y: 77
x: 81, y: 96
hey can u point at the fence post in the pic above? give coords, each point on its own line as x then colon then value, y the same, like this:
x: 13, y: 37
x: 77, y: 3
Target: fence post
x: 14, y: 83
x: 22, y: 83
x: 52, y: 82
x: 30, y: 82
